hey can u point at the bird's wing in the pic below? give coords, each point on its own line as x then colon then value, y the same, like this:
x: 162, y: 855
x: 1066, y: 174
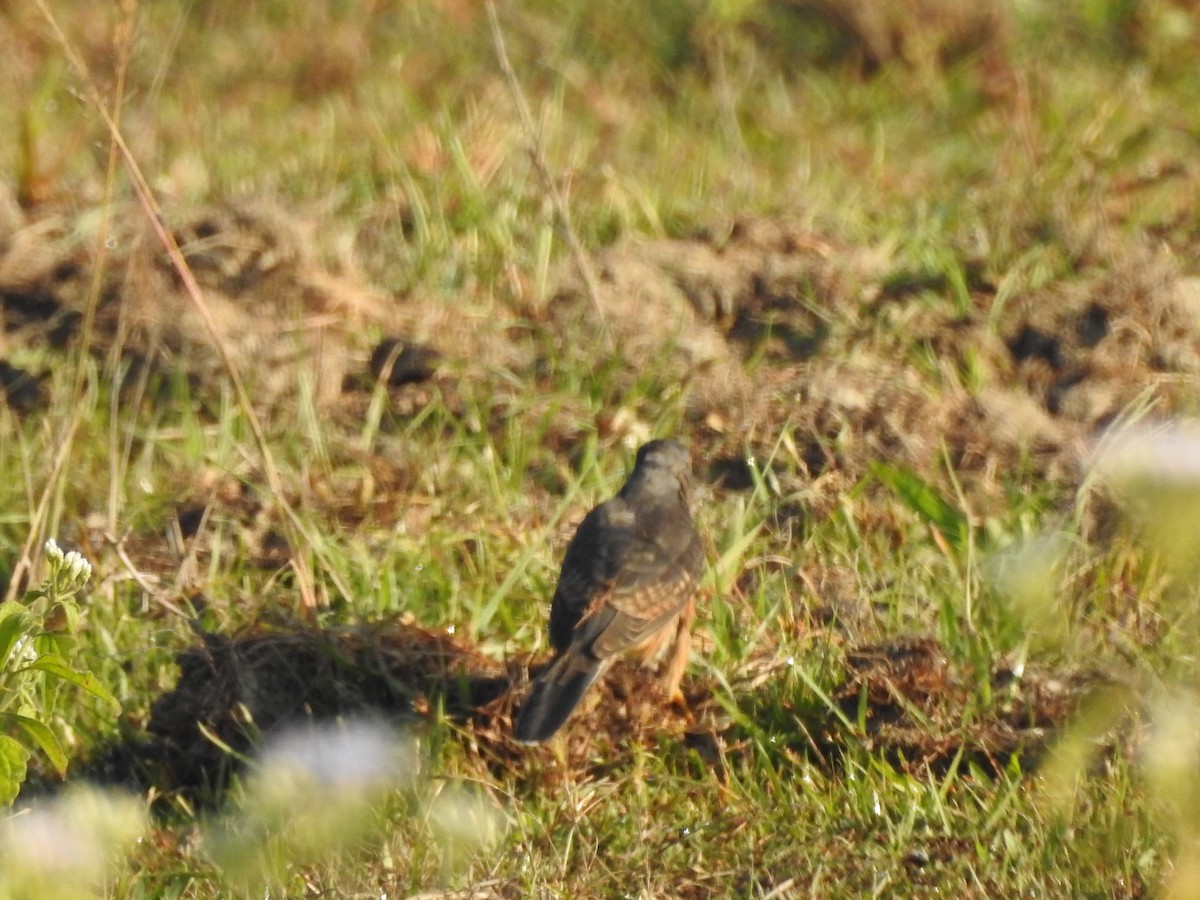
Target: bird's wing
x: 622, y: 579
x: 642, y: 607
x: 593, y: 561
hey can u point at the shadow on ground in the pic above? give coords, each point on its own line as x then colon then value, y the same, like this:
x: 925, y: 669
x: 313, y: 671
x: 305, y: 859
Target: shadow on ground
x: 905, y: 701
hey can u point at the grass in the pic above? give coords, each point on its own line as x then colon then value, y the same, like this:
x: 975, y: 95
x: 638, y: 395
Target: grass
x: 385, y: 130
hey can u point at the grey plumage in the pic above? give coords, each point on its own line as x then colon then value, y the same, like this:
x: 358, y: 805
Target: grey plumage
x: 628, y: 574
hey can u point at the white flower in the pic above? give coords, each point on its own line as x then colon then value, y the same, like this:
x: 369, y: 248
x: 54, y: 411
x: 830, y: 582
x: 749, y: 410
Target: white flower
x: 317, y: 790
x: 74, y: 567
x: 1155, y: 475
x: 1169, y: 453
x: 25, y: 649
x: 66, y: 846
x: 346, y: 755
x: 77, y: 567
x: 466, y: 820
x: 1026, y: 576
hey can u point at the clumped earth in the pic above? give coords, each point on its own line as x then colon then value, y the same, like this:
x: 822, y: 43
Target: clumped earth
x: 774, y: 334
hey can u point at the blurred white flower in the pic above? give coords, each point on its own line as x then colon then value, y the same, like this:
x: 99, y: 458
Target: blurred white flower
x: 1169, y: 760
x: 1155, y: 475
x: 466, y: 820
x: 25, y: 648
x: 1168, y: 453
x: 316, y: 790
x: 348, y: 755
x: 1028, y: 567
x: 1172, y: 753
x: 1026, y: 576
x: 67, y: 846
x: 53, y: 551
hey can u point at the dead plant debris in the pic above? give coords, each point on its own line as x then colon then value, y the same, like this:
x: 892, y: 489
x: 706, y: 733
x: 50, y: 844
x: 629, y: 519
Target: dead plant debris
x: 921, y: 711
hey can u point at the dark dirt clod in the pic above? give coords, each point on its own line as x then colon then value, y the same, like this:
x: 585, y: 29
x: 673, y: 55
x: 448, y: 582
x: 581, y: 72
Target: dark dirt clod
x: 400, y: 362
x: 22, y: 390
x: 1030, y: 343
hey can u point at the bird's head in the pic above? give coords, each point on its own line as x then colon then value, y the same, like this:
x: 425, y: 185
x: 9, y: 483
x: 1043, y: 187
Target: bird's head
x: 662, y: 467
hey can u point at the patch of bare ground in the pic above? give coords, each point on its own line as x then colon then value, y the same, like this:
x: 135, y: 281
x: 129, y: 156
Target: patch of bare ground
x: 792, y: 343
x: 284, y: 320
x: 924, y: 33
x: 1085, y: 351
x: 697, y: 307
x: 233, y: 691
x: 917, y: 707
x: 777, y: 336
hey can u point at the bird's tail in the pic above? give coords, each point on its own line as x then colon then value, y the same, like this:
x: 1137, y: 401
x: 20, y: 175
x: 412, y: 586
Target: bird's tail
x: 556, y: 693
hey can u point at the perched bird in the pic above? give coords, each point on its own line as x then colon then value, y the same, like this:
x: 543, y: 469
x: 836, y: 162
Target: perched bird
x: 627, y: 582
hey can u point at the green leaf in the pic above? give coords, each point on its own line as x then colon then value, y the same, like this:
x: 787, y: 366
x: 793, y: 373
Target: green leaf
x: 14, y: 622
x: 53, y: 664
x: 13, y: 760
x: 93, y: 686
x: 923, y: 499
x: 44, y: 738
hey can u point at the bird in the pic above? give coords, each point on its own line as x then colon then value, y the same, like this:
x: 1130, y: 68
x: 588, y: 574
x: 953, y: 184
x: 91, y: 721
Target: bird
x: 629, y: 574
